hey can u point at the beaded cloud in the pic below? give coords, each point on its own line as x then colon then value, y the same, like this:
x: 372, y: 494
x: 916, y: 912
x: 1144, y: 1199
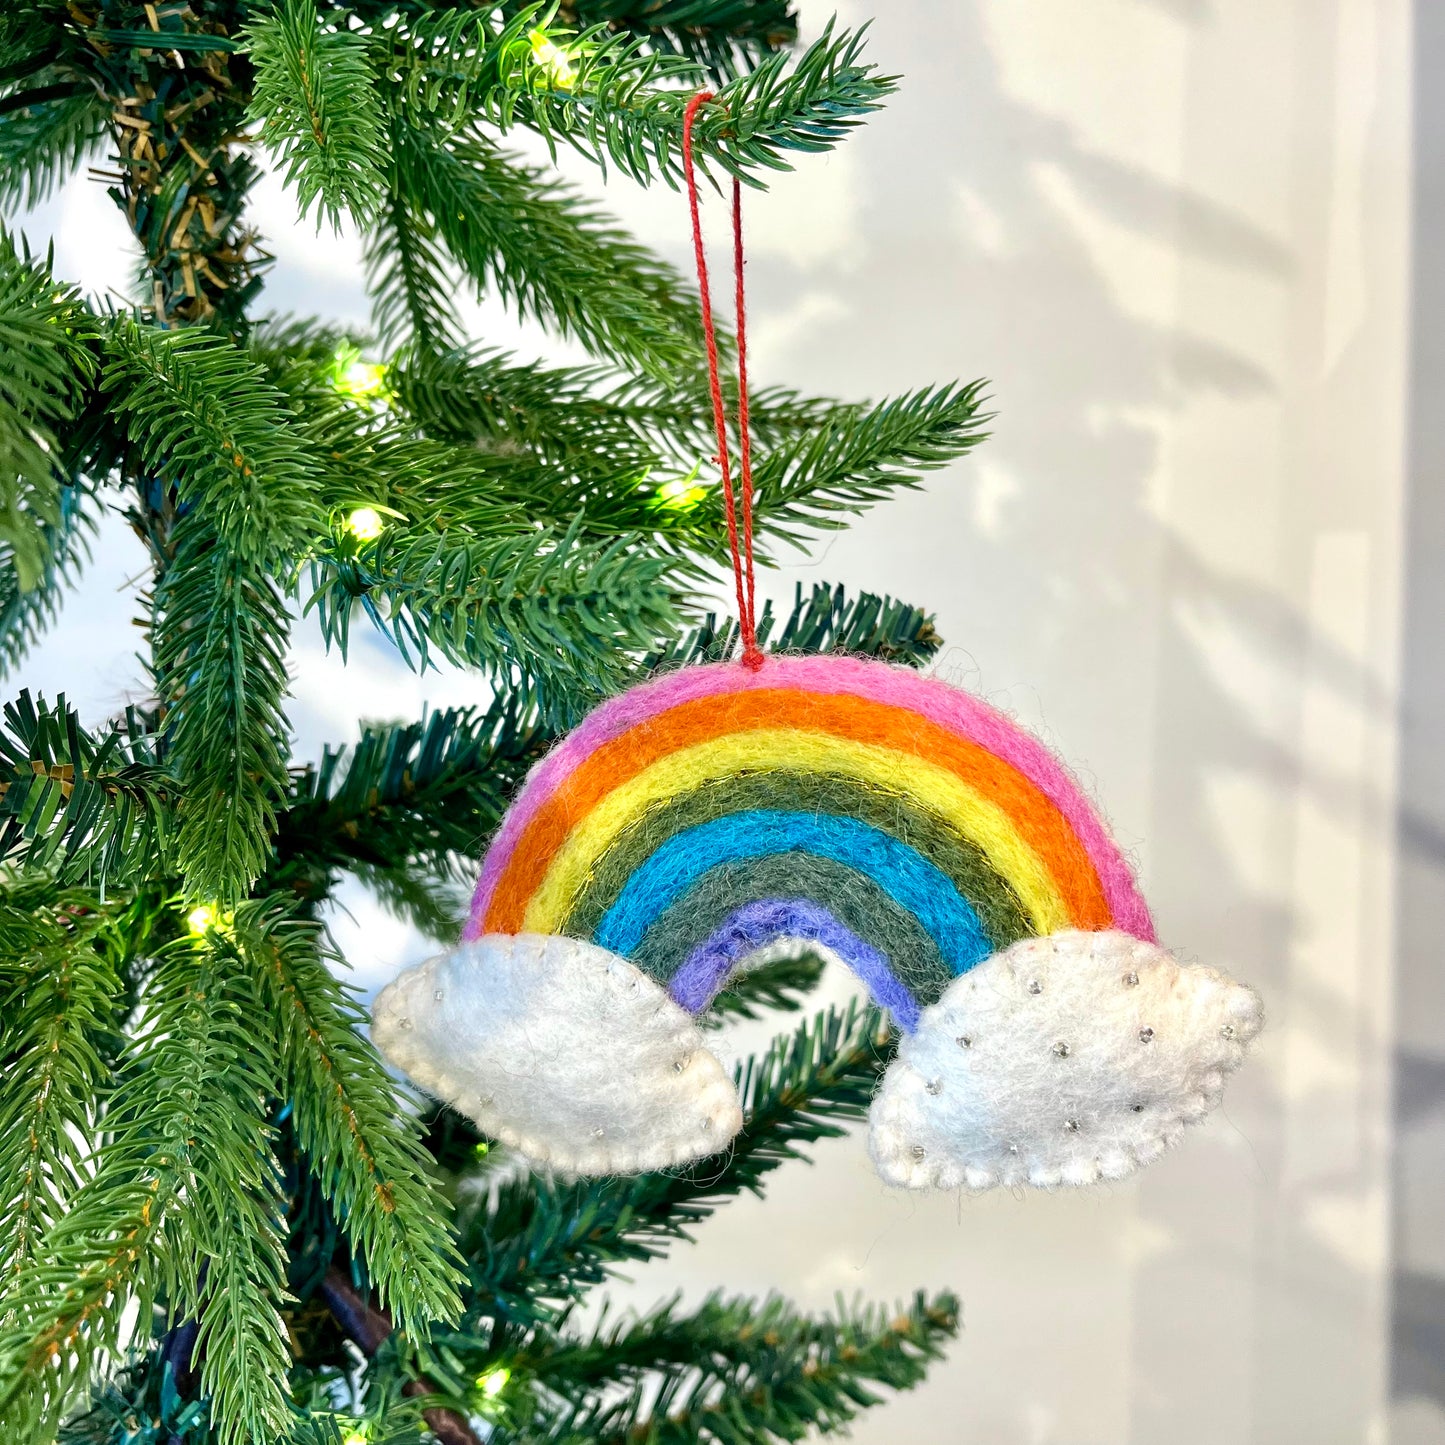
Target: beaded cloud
x: 720, y: 817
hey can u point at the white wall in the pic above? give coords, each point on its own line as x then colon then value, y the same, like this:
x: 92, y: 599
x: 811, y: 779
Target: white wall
x: 1175, y: 235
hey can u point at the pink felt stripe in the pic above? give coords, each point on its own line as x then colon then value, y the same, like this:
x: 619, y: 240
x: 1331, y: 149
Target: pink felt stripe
x: 949, y: 707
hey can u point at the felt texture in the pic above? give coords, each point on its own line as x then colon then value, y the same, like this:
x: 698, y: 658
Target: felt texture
x: 904, y: 874
x: 1063, y: 1060
x: 769, y: 921
x: 828, y: 676
x: 561, y: 1050
x: 850, y: 896
x: 891, y: 810
x: 1026, y: 840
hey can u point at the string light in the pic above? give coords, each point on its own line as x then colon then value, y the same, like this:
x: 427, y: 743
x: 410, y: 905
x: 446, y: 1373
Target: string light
x: 208, y: 918
x: 681, y: 494
x: 366, y: 524
x: 553, y: 59
x: 360, y: 380
x: 491, y: 1383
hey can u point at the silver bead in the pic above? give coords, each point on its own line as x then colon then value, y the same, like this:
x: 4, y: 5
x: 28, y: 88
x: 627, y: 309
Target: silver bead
x: 1035, y: 986
x: 1013, y: 1148
x: 1131, y: 979
x: 437, y: 995
x: 599, y: 1133
x: 1071, y: 1126
x: 706, y: 1124
x: 403, y: 1023
x: 1145, y: 1034
x: 1138, y: 1108
x: 1061, y: 1049
x: 964, y: 1041
x: 680, y: 1065
x: 1227, y: 1032
x: 934, y: 1087
x: 919, y: 1152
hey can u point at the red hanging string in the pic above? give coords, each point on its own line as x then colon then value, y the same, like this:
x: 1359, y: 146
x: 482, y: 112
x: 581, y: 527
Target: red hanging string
x: 741, y: 548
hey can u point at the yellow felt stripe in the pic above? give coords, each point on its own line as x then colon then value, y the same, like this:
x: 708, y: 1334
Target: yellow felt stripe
x: 976, y: 817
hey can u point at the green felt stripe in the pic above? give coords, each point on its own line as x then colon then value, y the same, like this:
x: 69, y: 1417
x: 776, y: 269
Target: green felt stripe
x: 854, y: 899
x: 997, y: 905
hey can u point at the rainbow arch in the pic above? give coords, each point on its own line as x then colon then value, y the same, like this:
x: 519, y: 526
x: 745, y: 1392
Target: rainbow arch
x: 719, y: 815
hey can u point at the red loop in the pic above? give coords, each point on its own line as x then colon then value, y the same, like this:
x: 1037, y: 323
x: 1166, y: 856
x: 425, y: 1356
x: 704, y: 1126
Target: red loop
x: 742, y: 549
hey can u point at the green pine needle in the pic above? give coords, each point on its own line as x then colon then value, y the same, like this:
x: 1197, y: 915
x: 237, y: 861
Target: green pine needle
x: 538, y: 1248
x: 362, y: 1152
x: 58, y: 995
x: 78, y: 806
x: 546, y: 251
x: 200, y: 415
x: 316, y: 100
x: 25, y: 613
x: 219, y: 652
x: 184, y: 1205
x: 44, y: 337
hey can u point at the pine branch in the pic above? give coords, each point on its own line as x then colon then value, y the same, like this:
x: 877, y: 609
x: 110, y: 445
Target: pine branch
x: 77, y: 805
x: 585, y: 416
x: 555, y: 614
x: 614, y: 99
x: 727, y: 36
x: 546, y: 250
x: 58, y: 993
x: 185, y: 1203
x: 364, y: 1155
x: 823, y: 620
x: 25, y: 613
x: 44, y: 142
x: 44, y: 336
x: 199, y: 411
x: 738, y: 1372
x: 815, y: 481
x: 218, y: 646
x: 315, y: 97
x: 535, y: 1248
x: 406, y: 275
x: 405, y: 794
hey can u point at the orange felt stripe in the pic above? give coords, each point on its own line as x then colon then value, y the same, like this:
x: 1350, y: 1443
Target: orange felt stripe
x: 1037, y: 820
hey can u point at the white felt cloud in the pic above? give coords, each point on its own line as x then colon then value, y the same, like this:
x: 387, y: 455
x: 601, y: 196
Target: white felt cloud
x: 1062, y: 1060
x: 562, y: 1050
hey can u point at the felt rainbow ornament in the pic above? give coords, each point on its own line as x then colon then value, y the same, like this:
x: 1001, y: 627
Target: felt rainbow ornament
x: 726, y: 815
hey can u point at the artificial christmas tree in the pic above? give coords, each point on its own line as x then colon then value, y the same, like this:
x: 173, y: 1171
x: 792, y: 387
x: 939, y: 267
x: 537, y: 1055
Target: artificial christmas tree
x: 222, y: 1220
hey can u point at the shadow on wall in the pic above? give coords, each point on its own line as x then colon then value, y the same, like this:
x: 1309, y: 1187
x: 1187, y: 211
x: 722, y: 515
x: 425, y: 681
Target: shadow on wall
x: 1057, y: 536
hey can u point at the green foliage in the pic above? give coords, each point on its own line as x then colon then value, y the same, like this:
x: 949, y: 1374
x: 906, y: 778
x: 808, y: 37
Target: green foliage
x: 183, y: 1205
x: 200, y: 416
x: 542, y: 612
x: 227, y: 1224
x: 44, y: 332
x: 736, y: 1372
x: 43, y: 142
x: 537, y: 1248
x: 58, y: 993
x: 78, y: 807
x: 316, y: 100
x: 412, y: 800
x: 25, y: 613
x: 725, y: 35
x: 364, y: 1156
x: 615, y: 98
x: 219, y: 653
x: 538, y: 244
x: 823, y: 620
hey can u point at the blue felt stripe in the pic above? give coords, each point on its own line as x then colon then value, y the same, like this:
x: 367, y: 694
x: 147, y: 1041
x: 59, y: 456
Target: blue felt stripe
x: 908, y: 877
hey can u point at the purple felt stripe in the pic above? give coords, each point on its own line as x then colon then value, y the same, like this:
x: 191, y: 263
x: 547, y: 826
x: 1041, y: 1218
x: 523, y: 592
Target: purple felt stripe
x: 752, y: 926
